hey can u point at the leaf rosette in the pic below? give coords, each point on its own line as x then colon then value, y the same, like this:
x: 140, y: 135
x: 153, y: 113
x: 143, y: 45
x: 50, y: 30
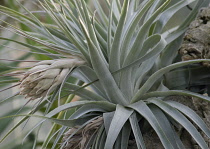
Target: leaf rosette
x: 131, y: 66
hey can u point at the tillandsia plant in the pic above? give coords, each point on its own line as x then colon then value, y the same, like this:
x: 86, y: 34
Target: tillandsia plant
x: 129, y: 59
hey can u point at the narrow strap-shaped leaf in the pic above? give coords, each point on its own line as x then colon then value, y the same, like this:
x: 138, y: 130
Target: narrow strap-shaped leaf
x: 15, y: 13
x: 101, y: 30
x: 69, y: 10
x: 142, y: 34
x: 178, y: 32
x: 5, y: 123
x: 65, y: 30
x: 41, y: 25
x: 145, y: 112
x: 131, y: 9
x: 156, y: 48
x: 72, y: 122
x: 187, y: 77
x: 137, y: 132
x: 131, y: 29
x: 86, y: 109
x: 52, y: 100
x: 169, y: 52
x: 21, y: 121
x: 84, y: 92
x: 97, y: 138
x: 109, y: 36
x: 180, y: 118
x: 193, y: 13
x: 120, y: 117
x: 103, y: 73
x: 69, y: 123
x: 167, y: 14
x: 106, y: 105
x: 153, y: 8
x: 5, y: 100
x: 72, y: 25
x: 118, y: 141
x: 8, y: 81
x: 168, y: 130
x: 126, y: 130
x: 70, y: 105
x: 58, y: 137
x: 117, y: 9
x: 101, y: 41
x: 41, y: 42
x: 153, y: 78
x: 174, y: 92
x: 90, y: 29
x: 191, y: 115
x: 88, y: 75
x: 119, y: 6
x: 108, y: 116
x: 80, y: 12
x: 181, y: 29
x: 28, y: 22
x: 102, y: 140
x: 149, y: 52
x: 142, y: 72
x: 100, y: 11
x: 60, y: 115
x: 114, y: 60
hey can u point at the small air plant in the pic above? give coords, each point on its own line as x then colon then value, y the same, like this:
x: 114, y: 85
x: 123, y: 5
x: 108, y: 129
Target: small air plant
x: 43, y: 78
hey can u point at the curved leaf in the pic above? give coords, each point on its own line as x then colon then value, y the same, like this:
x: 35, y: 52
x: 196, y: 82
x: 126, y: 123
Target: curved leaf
x: 142, y: 34
x: 87, y: 94
x: 120, y: 117
x: 158, y: 74
x: 167, y: 14
x: 174, y: 92
x: 22, y: 120
x: 114, y: 60
x: 103, y: 73
x: 168, y: 130
x: 191, y: 115
x: 131, y: 26
x: 86, y: 109
x: 145, y: 112
x: 177, y: 116
x: 149, y: 51
x: 137, y: 132
x: 88, y: 75
x: 106, y: 105
x: 126, y: 130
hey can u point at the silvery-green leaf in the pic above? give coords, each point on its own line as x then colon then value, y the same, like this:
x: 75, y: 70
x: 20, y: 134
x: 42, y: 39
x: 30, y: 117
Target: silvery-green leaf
x: 181, y: 119
x: 121, y: 115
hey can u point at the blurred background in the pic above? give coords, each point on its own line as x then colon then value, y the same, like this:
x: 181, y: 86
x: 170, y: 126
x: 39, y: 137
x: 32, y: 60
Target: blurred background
x: 13, y: 51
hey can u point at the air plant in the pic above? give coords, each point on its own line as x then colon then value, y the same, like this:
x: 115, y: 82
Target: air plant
x: 125, y: 57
